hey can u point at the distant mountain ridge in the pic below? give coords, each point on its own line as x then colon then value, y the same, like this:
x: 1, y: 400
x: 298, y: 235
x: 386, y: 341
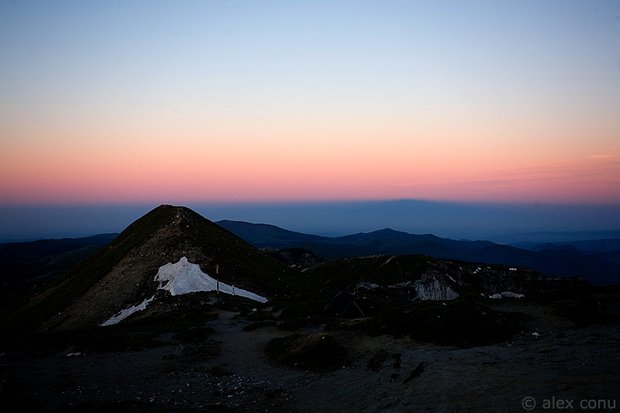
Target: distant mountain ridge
x: 266, y: 235
x: 599, y: 267
x: 598, y: 260
x: 174, y: 251
x: 29, y: 261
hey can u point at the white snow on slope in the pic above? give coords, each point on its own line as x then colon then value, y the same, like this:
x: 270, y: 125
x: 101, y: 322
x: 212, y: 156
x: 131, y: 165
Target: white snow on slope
x: 183, y: 277
x: 180, y: 278
x: 121, y: 315
x: 434, y: 290
x: 506, y: 294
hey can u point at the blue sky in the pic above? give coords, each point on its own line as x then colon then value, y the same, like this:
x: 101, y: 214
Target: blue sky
x: 246, y: 103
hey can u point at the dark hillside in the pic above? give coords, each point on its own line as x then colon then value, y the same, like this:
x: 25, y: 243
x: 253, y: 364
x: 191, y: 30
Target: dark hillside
x: 22, y: 262
x: 121, y: 274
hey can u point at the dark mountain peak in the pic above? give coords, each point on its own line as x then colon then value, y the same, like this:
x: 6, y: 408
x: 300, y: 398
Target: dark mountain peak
x: 393, y: 234
x: 122, y: 274
x: 387, y: 231
x: 250, y: 229
x: 266, y: 235
x: 377, y: 232
x: 226, y: 222
x: 162, y: 216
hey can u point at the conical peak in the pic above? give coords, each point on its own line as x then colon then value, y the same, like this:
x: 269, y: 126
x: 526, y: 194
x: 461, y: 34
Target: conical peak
x: 179, y: 214
x: 164, y: 216
x: 171, y: 208
x: 176, y: 213
x: 120, y: 275
x: 176, y: 231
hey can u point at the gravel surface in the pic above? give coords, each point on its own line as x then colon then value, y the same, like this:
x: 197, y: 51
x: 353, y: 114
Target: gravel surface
x: 228, y: 370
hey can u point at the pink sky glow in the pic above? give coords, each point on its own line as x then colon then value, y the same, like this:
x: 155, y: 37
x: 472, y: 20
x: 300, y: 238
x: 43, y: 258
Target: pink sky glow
x: 303, y: 101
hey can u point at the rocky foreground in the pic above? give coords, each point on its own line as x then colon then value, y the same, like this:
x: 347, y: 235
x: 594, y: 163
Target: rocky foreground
x: 200, y: 355
x: 177, y: 314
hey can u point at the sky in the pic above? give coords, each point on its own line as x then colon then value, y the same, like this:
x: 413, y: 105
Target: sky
x: 244, y: 102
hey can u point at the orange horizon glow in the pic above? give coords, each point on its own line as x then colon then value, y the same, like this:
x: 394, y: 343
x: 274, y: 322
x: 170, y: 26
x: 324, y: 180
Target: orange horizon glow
x: 278, y: 162
x: 309, y: 102
x: 311, y: 173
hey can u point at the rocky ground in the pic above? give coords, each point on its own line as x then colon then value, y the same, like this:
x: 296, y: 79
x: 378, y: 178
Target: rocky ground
x: 218, y: 363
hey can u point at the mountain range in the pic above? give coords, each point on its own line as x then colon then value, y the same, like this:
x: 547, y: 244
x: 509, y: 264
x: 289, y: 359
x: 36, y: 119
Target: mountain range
x: 598, y: 261
x: 177, y: 313
x: 196, y: 254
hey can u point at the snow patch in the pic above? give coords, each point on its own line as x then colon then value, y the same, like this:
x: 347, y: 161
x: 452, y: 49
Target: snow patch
x: 366, y: 286
x: 433, y: 289
x: 506, y: 294
x: 121, y: 315
x: 180, y: 278
x: 388, y: 261
x: 183, y: 277
x: 403, y: 284
x: 510, y: 294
